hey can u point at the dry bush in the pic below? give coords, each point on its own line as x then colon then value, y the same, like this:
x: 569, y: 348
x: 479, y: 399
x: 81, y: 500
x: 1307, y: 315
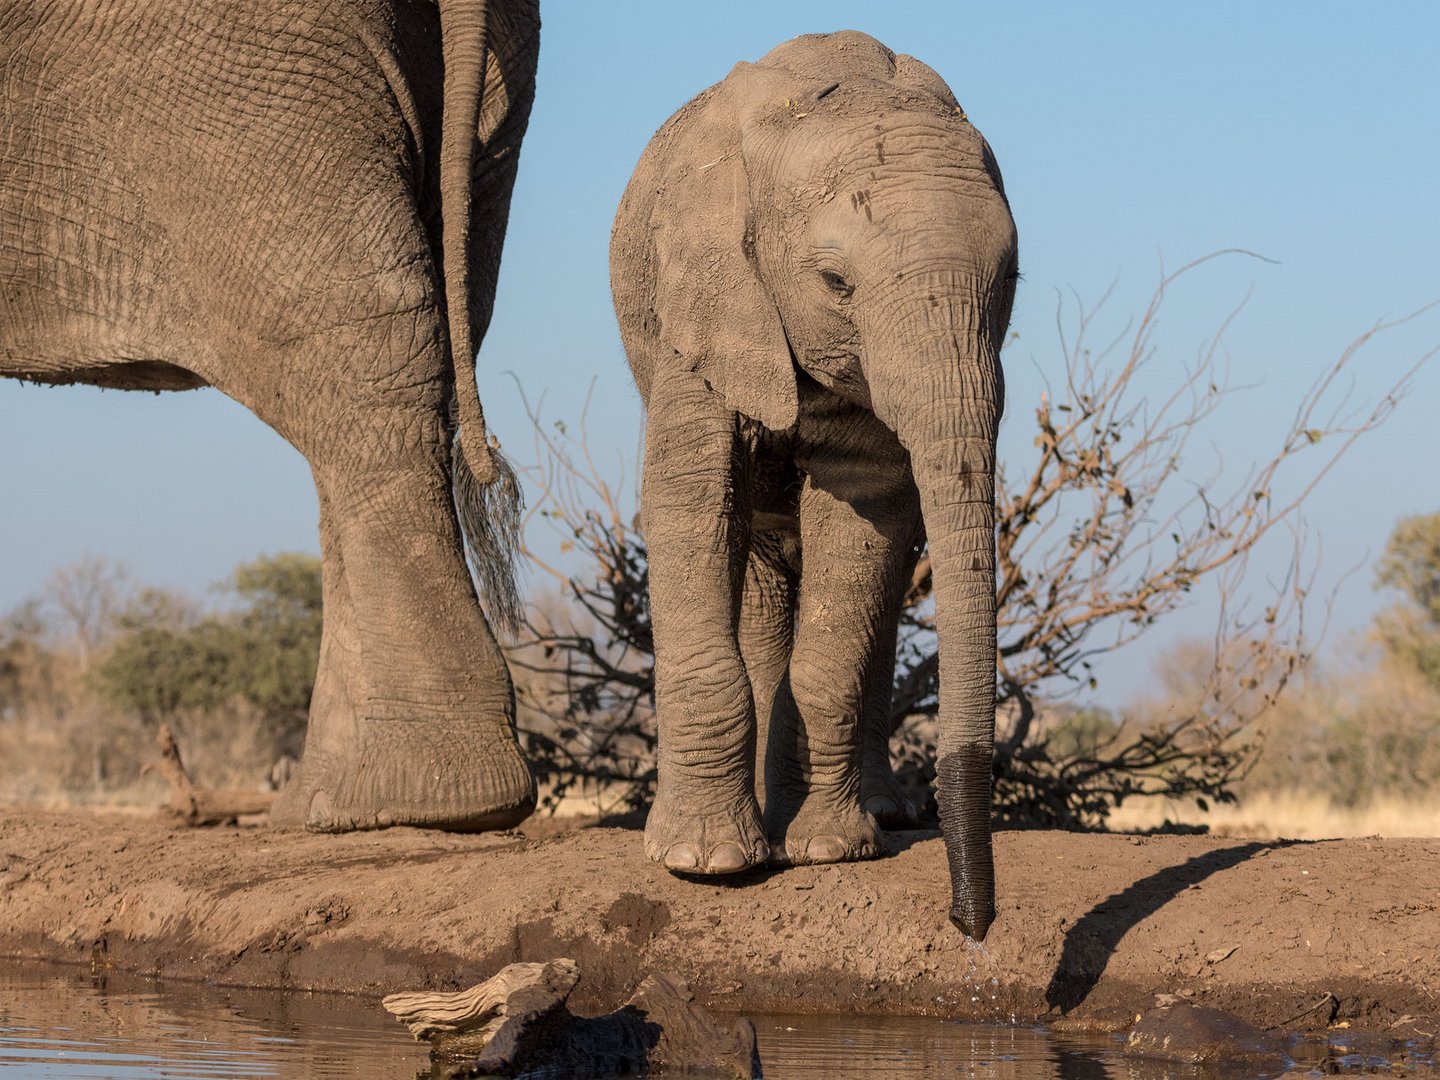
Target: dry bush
x: 1104, y: 535
x: 584, y: 664
x: 1290, y: 815
x: 1105, y: 532
x: 1356, y: 738
x: 58, y: 743
x: 91, y: 668
x: 1351, y: 750
x: 1366, y: 732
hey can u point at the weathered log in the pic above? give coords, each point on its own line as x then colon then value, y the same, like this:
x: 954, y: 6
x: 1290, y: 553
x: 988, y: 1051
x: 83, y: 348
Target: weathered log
x: 201, y: 806
x: 518, y: 990
x: 516, y: 1024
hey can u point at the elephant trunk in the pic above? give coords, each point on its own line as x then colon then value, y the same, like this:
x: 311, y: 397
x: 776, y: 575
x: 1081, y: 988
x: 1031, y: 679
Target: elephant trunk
x: 465, y: 47
x: 945, y: 407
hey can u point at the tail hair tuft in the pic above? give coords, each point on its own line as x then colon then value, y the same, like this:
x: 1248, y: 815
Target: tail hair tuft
x: 489, y: 515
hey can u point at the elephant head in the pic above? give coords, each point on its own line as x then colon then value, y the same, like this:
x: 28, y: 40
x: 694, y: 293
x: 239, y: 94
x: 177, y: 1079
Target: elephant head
x: 849, y: 223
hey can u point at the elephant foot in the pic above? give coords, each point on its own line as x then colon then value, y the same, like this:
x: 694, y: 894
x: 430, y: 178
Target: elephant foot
x: 705, y: 844
x: 410, y: 774
x: 884, y: 800
x: 820, y: 833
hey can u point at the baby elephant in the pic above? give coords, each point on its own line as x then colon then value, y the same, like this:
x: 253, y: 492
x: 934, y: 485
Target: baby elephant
x: 813, y: 268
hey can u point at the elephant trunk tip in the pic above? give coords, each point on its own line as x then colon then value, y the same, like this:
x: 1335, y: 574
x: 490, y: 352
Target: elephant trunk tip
x: 962, y: 789
x: 973, y: 919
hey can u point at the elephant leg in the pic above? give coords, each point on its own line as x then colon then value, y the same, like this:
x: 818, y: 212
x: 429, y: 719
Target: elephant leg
x: 858, y: 514
x: 767, y: 629
x: 705, y: 819
x: 880, y: 793
x: 411, y: 722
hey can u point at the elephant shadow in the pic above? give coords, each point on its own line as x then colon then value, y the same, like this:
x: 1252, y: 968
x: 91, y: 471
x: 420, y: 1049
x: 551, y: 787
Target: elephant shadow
x: 896, y: 841
x: 1092, y: 941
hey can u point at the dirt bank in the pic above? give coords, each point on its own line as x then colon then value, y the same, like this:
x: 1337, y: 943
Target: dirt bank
x: 1089, y: 926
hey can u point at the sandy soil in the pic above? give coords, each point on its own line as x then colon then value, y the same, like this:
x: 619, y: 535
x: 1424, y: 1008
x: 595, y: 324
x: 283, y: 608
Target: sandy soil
x: 1091, y: 928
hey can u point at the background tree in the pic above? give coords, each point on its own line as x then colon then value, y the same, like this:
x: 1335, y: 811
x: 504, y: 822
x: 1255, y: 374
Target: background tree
x: 233, y: 682
x: 277, y: 631
x: 163, y: 659
x: 1410, y: 630
x: 28, y: 668
x: 263, y: 651
x: 88, y: 595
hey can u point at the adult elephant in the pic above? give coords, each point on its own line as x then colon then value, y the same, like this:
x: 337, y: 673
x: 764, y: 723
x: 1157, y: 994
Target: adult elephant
x: 302, y: 205
x: 813, y: 269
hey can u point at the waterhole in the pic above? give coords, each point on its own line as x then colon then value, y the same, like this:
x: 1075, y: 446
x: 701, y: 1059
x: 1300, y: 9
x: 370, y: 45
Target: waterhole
x: 68, y: 1022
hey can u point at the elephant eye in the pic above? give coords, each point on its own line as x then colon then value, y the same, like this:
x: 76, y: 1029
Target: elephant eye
x: 835, y: 283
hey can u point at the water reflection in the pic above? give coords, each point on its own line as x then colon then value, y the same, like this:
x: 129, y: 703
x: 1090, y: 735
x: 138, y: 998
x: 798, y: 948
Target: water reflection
x: 870, y: 1047
x: 56, y: 1022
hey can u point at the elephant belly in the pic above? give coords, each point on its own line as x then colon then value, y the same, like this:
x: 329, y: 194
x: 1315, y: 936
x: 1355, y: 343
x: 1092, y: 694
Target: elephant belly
x: 775, y: 482
x: 185, y: 185
x: 72, y: 238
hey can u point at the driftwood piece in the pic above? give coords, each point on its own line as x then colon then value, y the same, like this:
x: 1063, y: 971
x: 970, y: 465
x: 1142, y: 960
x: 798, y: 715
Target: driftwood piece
x: 516, y: 1024
x: 517, y: 990
x: 201, y: 806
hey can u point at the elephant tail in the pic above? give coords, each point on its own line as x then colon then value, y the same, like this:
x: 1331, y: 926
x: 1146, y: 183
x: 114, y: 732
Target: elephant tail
x: 487, y: 495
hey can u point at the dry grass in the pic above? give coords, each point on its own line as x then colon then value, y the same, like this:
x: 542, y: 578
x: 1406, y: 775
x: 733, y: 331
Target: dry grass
x: 1292, y: 815
x: 87, y: 755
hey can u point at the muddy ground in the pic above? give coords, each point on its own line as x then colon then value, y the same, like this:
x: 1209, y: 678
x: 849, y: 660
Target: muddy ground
x: 1091, y: 928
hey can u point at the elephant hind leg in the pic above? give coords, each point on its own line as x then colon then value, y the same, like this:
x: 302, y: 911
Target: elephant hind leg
x: 411, y: 722
x: 881, y: 794
x: 858, y: 518
x: 767, y: 629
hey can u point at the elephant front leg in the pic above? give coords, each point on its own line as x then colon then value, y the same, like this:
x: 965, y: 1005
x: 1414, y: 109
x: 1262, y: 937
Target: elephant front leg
x: 705, y: 819
x: 858, y: 515
x: 411, y: 718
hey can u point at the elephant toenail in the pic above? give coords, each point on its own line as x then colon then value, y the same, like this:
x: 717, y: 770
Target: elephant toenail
x: 682, y: 857
x: 881, y: 806
x: 319, y: 816
x: 728, y: 858
x: 825, y: 849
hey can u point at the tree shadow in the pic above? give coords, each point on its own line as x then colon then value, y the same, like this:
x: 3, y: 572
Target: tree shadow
x: 1092, y: 941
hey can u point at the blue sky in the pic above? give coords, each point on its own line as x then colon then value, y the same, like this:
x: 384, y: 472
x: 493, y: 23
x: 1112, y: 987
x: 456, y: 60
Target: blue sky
x: 1132, y: 136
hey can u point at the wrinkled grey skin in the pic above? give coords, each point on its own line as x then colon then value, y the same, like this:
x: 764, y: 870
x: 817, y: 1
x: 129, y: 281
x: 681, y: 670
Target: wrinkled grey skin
x: 276, y: 199
x: 813, y: 269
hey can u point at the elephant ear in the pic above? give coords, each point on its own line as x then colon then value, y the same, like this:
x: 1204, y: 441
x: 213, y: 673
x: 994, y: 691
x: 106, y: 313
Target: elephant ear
x: 712, y: 306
